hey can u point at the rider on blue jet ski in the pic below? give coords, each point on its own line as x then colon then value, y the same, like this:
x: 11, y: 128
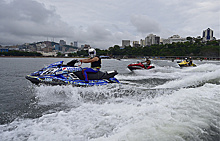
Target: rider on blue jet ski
x: 95, y: 63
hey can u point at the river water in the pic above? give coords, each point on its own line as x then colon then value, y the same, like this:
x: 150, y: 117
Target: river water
x: 162, y: 104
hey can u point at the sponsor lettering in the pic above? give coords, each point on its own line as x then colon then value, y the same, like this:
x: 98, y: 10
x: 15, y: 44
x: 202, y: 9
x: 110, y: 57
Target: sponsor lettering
x: 72, y: 69
x: 48, y: 79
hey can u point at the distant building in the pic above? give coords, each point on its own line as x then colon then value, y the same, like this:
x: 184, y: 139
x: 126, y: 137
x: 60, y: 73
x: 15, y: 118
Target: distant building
x: 125, y: 43
x: 86, y: 47
x: 136, y: 44
x: 176, y: 38
x: 40, y: 45
x: 58, y: 47
x: 157, y: 40
x: 165, y: 41
x: 3, y: 49
x: 69, y: 49
x: 47, y: 49
x: 47, y: 53
x: 75, y: 44
x: 142, y: 43
x: 207, y: 35
x: 62, y: 42
x: 173, y: 39
x: 71, y: 43
x: 152, y: 39
x: 13, y: 48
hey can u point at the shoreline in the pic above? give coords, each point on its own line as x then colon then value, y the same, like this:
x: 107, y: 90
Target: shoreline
x: 155, y: 58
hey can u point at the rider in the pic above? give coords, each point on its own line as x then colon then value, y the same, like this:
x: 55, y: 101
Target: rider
x: 190, y: 61
x: 95, y: 63
x: 147, y: 62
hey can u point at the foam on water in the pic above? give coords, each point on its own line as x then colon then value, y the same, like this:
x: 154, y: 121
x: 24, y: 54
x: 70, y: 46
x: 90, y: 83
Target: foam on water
x: 74, y: 96
x: 47, y: 95
x: 198, y: 76
x: 177, y: 78
x: 186, y: 114
x: 128, y: 112
x: 160, y: 72
x: 202, y: 68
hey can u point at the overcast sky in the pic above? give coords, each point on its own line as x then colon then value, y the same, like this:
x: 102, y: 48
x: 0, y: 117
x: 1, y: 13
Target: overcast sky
x: 104, y: 23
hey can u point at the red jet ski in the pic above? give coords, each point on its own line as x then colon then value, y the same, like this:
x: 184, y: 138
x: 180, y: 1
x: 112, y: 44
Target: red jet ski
x: 136, y: 66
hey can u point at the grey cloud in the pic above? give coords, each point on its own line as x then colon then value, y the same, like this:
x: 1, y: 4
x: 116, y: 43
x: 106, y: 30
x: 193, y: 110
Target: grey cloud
x: 98, y: 32
x: 95, y: 35
x: 145, y: 24
x: 105, y: 23
x: 28, y: 19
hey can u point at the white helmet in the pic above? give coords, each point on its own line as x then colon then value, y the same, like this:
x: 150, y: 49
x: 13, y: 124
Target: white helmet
x: 92, y: 52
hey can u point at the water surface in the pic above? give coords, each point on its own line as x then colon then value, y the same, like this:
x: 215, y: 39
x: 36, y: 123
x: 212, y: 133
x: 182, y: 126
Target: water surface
x: 166, y: 103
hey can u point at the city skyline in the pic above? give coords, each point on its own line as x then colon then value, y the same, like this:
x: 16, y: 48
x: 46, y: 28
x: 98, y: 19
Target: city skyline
x: 104, y: 23
x: 207, y: 35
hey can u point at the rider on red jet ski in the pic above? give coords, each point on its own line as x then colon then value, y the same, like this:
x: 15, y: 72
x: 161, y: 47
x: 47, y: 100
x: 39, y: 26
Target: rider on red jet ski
x: 146, y: 63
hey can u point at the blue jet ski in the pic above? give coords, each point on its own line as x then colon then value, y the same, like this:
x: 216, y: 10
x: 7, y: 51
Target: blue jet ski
x: 69, y: 74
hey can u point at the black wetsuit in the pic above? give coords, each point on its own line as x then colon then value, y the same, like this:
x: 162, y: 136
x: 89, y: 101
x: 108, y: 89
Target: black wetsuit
x: 95, y: 67
x: 190, y: 62
x: 96, y: 64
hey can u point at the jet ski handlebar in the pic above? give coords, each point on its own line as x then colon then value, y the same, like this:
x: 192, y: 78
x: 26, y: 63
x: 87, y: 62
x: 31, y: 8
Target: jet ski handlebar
x: 73, y: 62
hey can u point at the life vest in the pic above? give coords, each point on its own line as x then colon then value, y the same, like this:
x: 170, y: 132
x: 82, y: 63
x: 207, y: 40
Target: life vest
x: 96, y: 64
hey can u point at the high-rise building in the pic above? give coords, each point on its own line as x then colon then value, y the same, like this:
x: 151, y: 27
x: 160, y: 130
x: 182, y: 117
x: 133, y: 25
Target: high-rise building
x: 136, y: 44
x: 75, y: 44
x: 142, y: 42
x: 207, y: 35
x: 157, y: 40
x: 152, y: 39
x: 125, y: 43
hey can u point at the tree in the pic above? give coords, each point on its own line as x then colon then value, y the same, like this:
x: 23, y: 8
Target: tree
x: 59, y: 54
x: 82, y: 53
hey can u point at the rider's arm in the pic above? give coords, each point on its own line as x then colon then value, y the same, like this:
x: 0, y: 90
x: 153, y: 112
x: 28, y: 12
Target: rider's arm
x: 89, y: 60
x: 84, y: 60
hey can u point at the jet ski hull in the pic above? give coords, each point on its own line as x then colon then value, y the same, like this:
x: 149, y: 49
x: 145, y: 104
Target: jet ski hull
x: 58, y: 81
x: 56, y: 74
x: 138, y: 66
x: 186, y: 64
